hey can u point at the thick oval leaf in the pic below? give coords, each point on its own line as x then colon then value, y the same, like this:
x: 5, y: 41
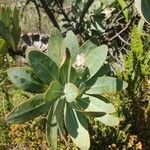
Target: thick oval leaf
x: 54, y: 91
x: 55, y: 47
x: 71, y: 92
x: 108, y: 120
x: 25, y: 79
x: 82, y: 133
x: 107, y: 85
x: 28, y: 110
x: 87, y: 47
x: 143, y: 8
x: 70, y: 121
x: 95, y: 59
x: 103, y: 71
x: 77, y: 127
x: 51, y: 130
x: 93, y: 104
x: 43, y: 66
x: 59, y: 113
x: 71, y: 42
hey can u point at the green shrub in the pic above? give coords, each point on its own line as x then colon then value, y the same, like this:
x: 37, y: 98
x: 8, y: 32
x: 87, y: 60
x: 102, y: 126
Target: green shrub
x: 10, y: 30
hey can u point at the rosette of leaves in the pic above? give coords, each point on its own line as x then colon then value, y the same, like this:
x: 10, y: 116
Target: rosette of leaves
x: 70, y: 81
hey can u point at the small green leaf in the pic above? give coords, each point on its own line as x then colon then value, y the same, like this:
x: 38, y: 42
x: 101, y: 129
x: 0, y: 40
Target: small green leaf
x: 55, y: 47
x: 28, y: 110
x: 95, y: 59
x: 25, y: 79
x: 43, y: 66
x: 97, y: 104
x: 147, y: 58
x: 54, y: 91
x: 71, y: 92
x: 3, y: 47
x: 108, y: 120
x: 74, y: 77
x: 107, y: 85
x: 71, y: 42
x: 51, y: 130
x: 124, y: 5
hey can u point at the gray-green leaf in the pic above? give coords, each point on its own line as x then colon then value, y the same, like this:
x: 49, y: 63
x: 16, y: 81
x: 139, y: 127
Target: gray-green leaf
x: 77, y: 128
x: 143, y: 8
x: 108, y: 120
x: 51, y: 130
x: 54, y: 91
x: 71, y: 92
x: 28, y: 110
x: 59, y: 112
x: 107, y: 85
x: 55, y: 47
x: 91, y: 104
x: 25, y: 79
x: 70, y: 121
x: 87, y: 47
x: 71, y: 42
x: 43, y: 66
x: 95, y: 59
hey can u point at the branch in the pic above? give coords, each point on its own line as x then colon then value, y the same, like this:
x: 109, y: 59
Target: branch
x: 62, y: 11
x: 114, y: 19
x: 85, y: 10
x: 50, y: 14
x: 38, y: 12
x: 124, y: 29
x: 83, y: 13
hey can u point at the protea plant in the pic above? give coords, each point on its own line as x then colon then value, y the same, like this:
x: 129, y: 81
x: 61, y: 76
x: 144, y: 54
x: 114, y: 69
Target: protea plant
x: 70, y: 82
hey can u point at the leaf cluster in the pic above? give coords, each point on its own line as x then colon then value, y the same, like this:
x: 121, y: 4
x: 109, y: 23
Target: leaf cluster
x: 69, y: 81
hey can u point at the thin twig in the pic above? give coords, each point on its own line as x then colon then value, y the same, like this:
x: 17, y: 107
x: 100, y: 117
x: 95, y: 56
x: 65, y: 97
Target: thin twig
x: 62, y: 10
x: 125, y: 42
x: 24, y: 7
x: 50, y: 14
x: 38, y: 12
x: 114, y: 19
x: 83, y: 13
x: 124, y: 29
